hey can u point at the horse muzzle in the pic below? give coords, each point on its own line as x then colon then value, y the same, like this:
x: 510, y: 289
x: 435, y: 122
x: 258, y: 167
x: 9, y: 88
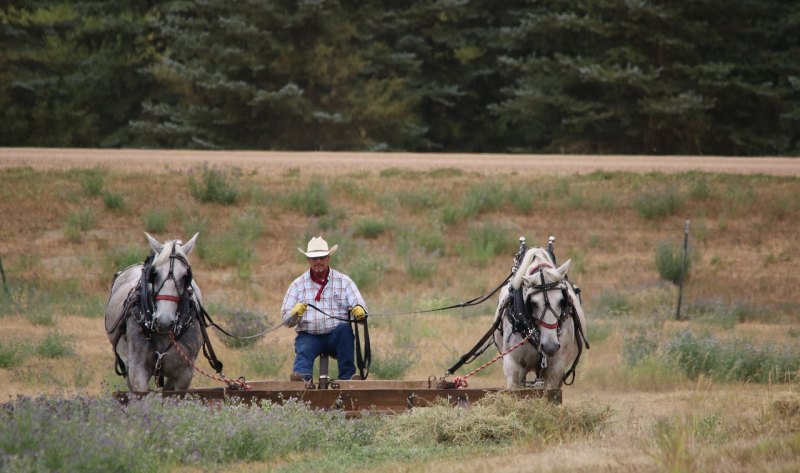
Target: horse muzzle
x: 163, y: 324
x: 550, y: 348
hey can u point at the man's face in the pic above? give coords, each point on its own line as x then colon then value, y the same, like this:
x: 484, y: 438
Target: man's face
x: 319, y: 265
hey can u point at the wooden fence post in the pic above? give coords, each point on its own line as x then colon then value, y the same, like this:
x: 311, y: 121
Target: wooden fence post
x: 683, y: 268
x: 3, y: 274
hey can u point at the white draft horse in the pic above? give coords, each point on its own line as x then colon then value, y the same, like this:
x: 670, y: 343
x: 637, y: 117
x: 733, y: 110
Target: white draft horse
x: 150, y: 305
x: 541, y: 304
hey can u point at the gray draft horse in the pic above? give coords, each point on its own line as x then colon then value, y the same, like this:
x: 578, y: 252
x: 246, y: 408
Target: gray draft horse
x: 548, y: 307
x: 150, y: 305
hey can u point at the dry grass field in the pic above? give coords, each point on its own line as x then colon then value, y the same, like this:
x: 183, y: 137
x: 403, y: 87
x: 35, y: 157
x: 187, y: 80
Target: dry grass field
x: 423, y: 231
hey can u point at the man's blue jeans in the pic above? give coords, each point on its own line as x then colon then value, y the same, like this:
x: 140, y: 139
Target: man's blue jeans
x: 338, y: 343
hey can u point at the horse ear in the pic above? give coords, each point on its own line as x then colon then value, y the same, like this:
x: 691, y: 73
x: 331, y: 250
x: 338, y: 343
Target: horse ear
x: 189, y: 245
x: 530, y: 280
x: 562, y: 270
x: 154, y: 244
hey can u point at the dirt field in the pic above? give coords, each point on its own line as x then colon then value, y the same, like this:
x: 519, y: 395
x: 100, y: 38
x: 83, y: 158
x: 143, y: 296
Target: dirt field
x: 332, y: 163
x: 740, y: 405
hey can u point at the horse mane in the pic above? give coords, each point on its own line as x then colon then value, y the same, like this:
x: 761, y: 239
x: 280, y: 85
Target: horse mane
x: 529, y: 258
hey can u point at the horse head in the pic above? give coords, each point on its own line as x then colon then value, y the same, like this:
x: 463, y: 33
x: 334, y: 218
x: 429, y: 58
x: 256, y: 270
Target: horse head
x: 170, y: 280
x: 545, y: 293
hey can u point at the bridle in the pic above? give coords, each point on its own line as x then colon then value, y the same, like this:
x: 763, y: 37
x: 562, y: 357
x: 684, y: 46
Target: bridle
x: 187, y: 283
x: 545, y: 288
x: 149, y: 294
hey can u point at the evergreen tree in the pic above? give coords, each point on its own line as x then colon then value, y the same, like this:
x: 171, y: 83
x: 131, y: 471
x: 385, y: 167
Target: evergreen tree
x: 68, y: 72
x: 645, y: 77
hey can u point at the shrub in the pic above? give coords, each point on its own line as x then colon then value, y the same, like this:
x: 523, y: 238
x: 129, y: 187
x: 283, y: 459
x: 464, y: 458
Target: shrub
x: 266, y: 361
x: 445, y: 173
x: 638, y: 346
x: 657, y: 203
x: 124, y: 256
x: 486, y: 242
x: 363, y: 270
x: 311, y: 201
x: 431, y: 240
x: 389, y: 365
x: 241, y: 324
x: 332, y: 220
x: 483, y: 197
x: 155, y: 221
x: 420, y: 268
x: 223, y: 250
x: 521, y: 199
x: 92, y: 181
x: 78, y: 222
x: 452, y: 214
x: 732, y: 360
x: 370, y: 228
x: 12, y: 354
x: 249, y: 225
x: 213, y: 185
x: 669, y: 263
x: 700, y: 189
x: 420, y: 200
x: 612, y: 303
x: 596, y: 332
x: 194, y: 224
x: 54, y: 345
x: 113, y: 201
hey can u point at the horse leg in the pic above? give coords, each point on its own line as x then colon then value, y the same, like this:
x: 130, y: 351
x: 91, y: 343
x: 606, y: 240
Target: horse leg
x: 515, y: 374
x: 180, y: 377
x: 140, y: 359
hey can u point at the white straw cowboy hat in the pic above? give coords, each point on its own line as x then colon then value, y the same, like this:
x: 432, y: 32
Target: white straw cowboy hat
x: 317, y: 248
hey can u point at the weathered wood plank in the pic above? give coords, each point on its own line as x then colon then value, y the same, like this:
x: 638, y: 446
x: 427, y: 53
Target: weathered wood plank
x: 352, y: 400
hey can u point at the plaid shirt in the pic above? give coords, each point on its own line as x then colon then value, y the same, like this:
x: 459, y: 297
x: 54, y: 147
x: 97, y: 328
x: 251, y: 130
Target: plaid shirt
x: 339, y: 295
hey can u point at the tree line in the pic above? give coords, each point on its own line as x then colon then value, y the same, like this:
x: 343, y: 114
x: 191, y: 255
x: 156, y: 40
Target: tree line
x: 556, y: 76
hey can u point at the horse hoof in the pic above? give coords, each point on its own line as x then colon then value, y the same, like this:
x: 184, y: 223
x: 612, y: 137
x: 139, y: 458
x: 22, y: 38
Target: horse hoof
x: 539, y: 383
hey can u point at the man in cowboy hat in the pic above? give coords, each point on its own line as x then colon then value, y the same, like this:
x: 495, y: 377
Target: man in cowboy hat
x: 337, y: 296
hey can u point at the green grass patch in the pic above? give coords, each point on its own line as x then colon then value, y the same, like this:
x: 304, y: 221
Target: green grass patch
x: 12, y: 353
x: 639, y: 345
x: 485, y: 242
x: 391, y: 365
x: 54, y: 345
x: 371, y: 228
x: 156, y: 221
x: 364, y: 270
x: 242, y: 324
x: 611, y: 303
x: 420, y: 267
x: 78, y: 222
x: 224, y: 250
x: 733, y: 359
x: 219, y: 186
x: 313, y: 201
x: 114, y: 201
x: 266, y: 361
x: 669, y: 262
x: 653, y: 204
x: 121, y: 257
x: 91, y: 181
